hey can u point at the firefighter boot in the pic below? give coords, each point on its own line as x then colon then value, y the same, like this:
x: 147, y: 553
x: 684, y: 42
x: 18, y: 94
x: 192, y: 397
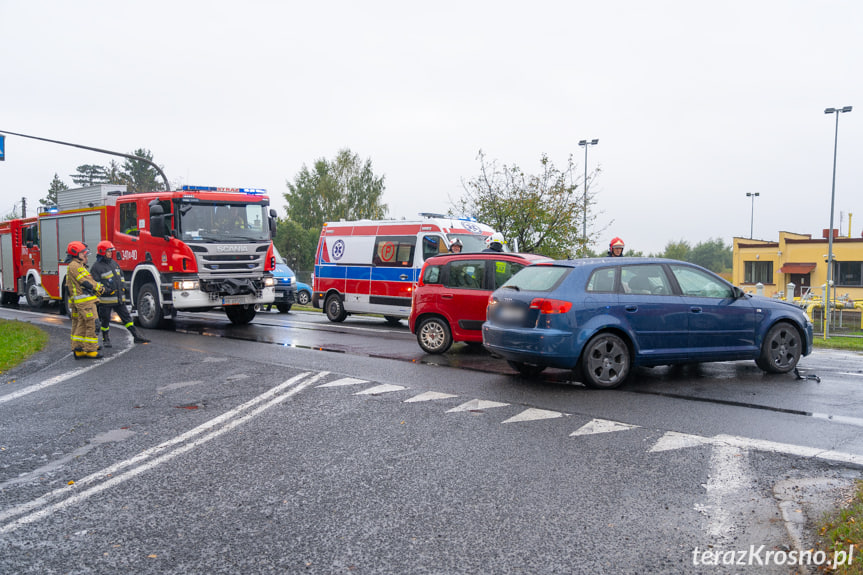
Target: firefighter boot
x: 106, y: 341
x: 138, y: 338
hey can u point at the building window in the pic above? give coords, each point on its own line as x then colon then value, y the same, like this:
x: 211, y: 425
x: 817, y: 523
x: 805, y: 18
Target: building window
x: 848, y: 274
x: 758, y: 272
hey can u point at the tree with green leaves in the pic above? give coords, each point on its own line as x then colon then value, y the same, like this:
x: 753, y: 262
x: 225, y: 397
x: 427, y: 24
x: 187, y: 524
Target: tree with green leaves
x: 342, y: 188
x: 543, y: 213
x: 296, y: 244
x: 713, y: 254
x: 89, y: 175
x: 677, y: 251
x: 140, y: 177
x: 51, y: 199
x: 114, y: 173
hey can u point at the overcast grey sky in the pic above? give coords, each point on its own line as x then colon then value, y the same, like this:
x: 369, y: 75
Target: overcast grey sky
x: 694, y: 103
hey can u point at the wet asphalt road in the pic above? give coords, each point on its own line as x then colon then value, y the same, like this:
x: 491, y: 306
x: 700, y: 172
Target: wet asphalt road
x: 344, y: 448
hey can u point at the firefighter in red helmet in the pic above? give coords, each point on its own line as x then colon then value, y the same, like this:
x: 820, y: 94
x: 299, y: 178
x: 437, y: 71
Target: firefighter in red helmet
x: 113, y: 299
x: 83, y: 291
x: 615, y: 248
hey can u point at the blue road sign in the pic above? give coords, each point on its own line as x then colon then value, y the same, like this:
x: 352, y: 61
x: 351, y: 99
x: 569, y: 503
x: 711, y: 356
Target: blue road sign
x: 2, y: 148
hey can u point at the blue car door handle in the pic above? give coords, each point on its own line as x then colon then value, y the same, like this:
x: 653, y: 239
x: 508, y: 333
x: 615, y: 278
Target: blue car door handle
x: 631, y: 308
x: 695, y: 310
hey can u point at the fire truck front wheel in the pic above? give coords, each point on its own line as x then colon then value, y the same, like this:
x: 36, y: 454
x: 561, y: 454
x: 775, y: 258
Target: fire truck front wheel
x: 34, y: 300
x: 240, y: 314
x: 335, y: 308
x: 149, y: 309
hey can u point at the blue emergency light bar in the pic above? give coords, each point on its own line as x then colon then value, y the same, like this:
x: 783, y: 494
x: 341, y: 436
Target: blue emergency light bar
x: 248, y: 191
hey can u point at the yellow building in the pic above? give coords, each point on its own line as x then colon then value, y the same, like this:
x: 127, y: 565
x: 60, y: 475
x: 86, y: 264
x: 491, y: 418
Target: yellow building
x: 801, y: 260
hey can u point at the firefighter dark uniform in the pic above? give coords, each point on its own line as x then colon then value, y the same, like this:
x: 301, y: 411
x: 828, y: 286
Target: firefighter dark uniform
x: 108, y: 273
x: 83, y: 291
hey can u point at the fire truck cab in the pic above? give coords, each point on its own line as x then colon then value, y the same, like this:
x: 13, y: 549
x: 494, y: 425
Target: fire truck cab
x: 194, y: 249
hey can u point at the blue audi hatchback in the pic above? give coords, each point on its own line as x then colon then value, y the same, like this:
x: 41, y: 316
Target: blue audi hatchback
x: 601, y: 317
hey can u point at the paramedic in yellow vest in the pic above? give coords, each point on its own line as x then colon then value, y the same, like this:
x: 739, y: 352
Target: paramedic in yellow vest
x: 108, y: 273
x: 83, y: 290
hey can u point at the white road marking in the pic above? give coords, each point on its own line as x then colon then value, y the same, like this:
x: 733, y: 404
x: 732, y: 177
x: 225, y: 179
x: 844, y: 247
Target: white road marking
x: 108, y: 474
x: 344, y: 381
x: 430, y: 396
x: 178, y: 385
x: 62, y: 377
x: 602, y: 426
x: 728, y: 481
x: 383, y: 388
x: 476, y: 405
x: 533, y: 414
x: 675, y: 440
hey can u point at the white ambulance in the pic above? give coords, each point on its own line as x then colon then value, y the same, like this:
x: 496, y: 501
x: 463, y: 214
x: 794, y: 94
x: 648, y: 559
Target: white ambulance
x: 371, y: 266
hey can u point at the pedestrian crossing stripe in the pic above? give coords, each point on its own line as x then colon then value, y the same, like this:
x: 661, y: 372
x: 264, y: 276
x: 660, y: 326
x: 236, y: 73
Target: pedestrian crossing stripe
x: 344, y: 381
x: 430, y: 396
x: 675, y: 440
x: 476, y: 405
x: 533, y: 414
x: 602, y: 426
x: 383, y: 388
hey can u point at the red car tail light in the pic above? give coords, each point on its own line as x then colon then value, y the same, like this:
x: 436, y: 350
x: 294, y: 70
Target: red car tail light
x: 549, y: 306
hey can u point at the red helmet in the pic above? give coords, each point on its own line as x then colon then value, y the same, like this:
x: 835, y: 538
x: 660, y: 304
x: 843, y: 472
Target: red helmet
x: 76, y: 249
x: 616, y: 243
x: 103, y: 247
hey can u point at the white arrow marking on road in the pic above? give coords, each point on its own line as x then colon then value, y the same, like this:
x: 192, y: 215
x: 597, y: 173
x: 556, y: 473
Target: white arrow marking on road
x: 675, y: 440
x: 533, y: 414
x: 476, y: 405
x: 383, y: 388
x: 602, y: 426
x: 344, y: 381
x: 430, y: 396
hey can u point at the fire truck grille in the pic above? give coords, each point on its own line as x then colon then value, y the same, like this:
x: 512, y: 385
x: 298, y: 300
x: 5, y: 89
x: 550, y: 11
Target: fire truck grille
x: 230, y: 265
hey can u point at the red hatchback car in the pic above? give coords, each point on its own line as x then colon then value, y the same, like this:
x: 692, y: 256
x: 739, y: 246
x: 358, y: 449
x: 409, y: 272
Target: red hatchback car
x: 450, y: 298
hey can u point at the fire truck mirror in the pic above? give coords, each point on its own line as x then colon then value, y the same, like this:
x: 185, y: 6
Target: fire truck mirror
x: 157, y: 219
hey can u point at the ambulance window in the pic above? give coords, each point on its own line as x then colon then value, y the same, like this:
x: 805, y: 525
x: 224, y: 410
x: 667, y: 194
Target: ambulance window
x: 432, y: 275
x: 394, y: 251
x: 432, y: 246
x: 129, y: 218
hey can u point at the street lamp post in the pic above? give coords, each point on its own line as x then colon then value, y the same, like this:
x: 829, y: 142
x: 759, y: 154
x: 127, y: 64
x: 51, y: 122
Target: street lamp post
x: 586, y: 144
x: 752, y: 216
x: 827, y: 302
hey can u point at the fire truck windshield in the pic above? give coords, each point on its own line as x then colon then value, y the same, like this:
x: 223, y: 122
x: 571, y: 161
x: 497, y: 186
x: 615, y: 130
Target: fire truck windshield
x: 223, y: 222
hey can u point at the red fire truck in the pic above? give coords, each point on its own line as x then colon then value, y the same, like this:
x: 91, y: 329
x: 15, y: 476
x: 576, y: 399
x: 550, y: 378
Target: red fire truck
x: 193, y: 249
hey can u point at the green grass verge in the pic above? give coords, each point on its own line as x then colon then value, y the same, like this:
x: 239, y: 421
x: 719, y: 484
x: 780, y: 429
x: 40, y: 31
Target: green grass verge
x: 843, y: 530
x: 839, y: 342
x: 18, y: 341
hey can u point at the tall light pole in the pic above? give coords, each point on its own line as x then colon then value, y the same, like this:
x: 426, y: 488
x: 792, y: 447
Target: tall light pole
x: 835, y: 111
x: 586, y: 144
x: 752, y: 216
